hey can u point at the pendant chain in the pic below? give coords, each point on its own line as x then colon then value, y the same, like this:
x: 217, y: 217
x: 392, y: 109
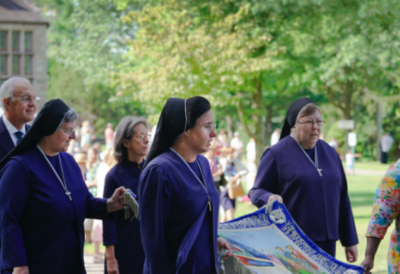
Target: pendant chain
x: 315, y: 163
x: 201, y: 174
x: 63, y: 184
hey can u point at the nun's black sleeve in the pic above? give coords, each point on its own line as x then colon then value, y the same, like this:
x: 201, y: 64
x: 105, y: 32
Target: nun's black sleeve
x: 266, y: 183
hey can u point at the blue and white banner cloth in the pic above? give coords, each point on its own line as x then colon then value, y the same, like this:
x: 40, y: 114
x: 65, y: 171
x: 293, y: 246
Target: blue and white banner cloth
x: 269, y: 241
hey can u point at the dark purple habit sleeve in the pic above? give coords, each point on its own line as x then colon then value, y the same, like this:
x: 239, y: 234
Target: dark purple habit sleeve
x: 266, y: 182
x: 155, y: 197
x: 12, y: 205
x: 96, y: 208
x: 109, y: 226
x: 347, y: 228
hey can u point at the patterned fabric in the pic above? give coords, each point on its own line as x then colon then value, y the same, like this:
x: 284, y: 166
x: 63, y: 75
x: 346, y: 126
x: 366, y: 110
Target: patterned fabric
x: 19, y: 136
x: 386, y: 209
x: 269, y: 241
x: 230, y: 170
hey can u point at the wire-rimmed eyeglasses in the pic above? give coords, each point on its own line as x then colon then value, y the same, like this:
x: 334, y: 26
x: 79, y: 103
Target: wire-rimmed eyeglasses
x: 310, y: 123
x: 209, y: 126
x: 28, y: 99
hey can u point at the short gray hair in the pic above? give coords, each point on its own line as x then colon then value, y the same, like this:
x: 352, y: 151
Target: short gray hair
x: 308, y: 110
x: 71, y: 116
x: 7, y: 88
x: 125, y: 130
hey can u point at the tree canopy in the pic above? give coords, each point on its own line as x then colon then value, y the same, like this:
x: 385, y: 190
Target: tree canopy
x: 251, y: 59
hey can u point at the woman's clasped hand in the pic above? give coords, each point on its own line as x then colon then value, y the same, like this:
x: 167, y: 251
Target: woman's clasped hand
x: 116, y: 202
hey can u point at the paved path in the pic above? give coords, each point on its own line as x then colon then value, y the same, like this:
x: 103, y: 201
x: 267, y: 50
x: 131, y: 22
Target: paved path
x: 92, y: 268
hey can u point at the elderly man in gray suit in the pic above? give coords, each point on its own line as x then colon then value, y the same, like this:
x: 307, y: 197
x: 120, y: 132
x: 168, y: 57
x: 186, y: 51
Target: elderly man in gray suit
x: 18, y: 100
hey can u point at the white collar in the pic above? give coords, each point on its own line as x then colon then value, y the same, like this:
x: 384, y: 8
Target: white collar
x: 10, y: 127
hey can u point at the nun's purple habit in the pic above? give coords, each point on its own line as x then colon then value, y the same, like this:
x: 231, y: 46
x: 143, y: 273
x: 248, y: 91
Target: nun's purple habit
x: 41, y: 221
x: 178, y: 203
x: 313, y: 187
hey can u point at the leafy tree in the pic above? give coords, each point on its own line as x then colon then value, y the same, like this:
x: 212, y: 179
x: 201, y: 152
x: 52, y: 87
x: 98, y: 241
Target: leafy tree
x: 349, y: 48
x: 86, y: 40
x: 230, y: 52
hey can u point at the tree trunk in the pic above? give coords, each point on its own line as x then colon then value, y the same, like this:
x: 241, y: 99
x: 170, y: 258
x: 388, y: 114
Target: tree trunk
x: 268, y: 126
x: 229, y: 127
x: 257, y: 106
x: 347, y: 116
x: 379, y: 130
x: 344, y: 99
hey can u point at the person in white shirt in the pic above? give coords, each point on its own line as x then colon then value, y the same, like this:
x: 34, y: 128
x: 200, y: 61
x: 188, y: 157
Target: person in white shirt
x: 18, y: 100
x: 251, y: 176
x: 275, y: 136
x: 251, y: 150
x: 237, y: 145
x: 386, y: 144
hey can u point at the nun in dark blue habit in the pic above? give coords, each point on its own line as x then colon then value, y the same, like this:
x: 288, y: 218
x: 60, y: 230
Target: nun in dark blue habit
x: 44, y: 200
x: 124, y: 252
x: 306, y: 174
x: 178, y: 199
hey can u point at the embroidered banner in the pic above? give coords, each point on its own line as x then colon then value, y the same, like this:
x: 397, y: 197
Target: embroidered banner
x: 269, y: 241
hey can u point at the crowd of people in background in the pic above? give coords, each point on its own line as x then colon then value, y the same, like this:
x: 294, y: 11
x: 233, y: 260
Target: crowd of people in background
x: 94, y: 160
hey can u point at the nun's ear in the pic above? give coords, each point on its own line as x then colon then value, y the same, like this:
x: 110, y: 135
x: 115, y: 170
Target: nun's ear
x: 186, y: 133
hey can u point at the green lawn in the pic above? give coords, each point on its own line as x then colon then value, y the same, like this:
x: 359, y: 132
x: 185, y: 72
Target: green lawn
x: 371, y: 166
x: 89, y: 248
x: 361, y: 191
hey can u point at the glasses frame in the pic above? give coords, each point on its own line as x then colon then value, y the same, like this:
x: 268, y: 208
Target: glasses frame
x: 210, y: 127
x: 313, y: 122
x: 141, y: 136
x: 69, y: 132
x: 27, y: 99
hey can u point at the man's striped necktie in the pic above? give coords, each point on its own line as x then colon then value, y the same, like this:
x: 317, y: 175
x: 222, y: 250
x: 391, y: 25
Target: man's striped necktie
x: 19, y: 136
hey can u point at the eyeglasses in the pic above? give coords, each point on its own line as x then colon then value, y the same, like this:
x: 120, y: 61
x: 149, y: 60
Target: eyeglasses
x: 28, y: 99
x: 310, y: 123
x: 142, y: 135
x: 69, y: 132
x: 209, y: 126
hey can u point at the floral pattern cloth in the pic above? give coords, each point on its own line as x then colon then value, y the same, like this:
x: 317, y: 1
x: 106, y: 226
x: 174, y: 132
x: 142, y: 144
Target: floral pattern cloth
x: 386, y: 209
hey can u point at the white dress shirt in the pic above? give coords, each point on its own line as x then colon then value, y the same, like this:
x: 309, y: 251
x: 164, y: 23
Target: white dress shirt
x: 11, y: 130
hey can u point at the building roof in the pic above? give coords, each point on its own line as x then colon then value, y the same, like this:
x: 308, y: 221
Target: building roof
x: 20, y: 11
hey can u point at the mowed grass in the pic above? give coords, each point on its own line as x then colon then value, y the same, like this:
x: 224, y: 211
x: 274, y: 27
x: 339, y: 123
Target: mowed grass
x: 361, y: 190
x: 370, y: 166
x: 89, y: 248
